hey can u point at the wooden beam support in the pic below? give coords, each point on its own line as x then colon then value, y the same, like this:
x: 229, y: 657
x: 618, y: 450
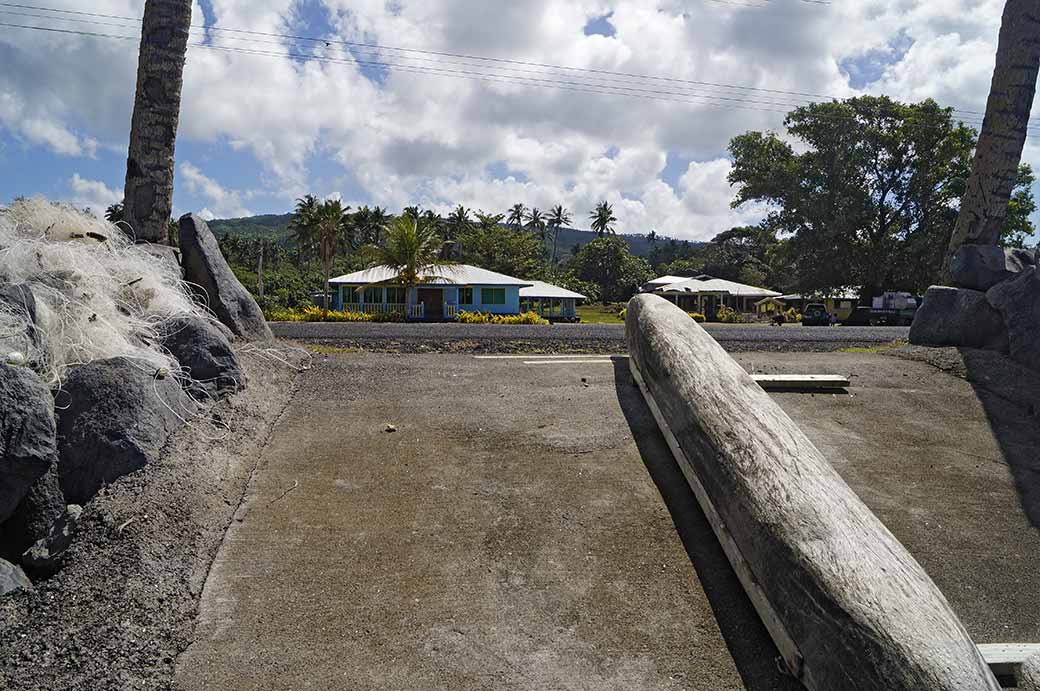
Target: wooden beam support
x: 1005, y: 659
x: 846, y: 604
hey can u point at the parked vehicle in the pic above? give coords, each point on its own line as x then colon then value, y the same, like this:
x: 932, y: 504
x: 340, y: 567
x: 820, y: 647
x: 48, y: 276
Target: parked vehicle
x: 815, y: 314
x: 888, y: 309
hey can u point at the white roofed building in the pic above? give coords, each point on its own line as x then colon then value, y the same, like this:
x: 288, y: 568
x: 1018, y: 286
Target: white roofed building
x: 705, y: 294
x: 550, y: 301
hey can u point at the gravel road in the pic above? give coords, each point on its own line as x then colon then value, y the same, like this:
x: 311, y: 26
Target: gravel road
x: 571, y: 337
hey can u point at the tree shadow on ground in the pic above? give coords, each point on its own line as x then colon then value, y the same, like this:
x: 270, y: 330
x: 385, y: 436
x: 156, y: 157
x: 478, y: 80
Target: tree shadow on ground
x: 1010, y: 396
x: 753, y: 651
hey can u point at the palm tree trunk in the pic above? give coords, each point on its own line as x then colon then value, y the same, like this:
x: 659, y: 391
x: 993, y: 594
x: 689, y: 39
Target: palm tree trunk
x: 556, y: 237
x: 148, y: 196
x: 999, y: 150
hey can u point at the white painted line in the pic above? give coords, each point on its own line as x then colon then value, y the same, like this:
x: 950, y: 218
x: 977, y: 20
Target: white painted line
x: 542, y: 357
x: 568, y: 362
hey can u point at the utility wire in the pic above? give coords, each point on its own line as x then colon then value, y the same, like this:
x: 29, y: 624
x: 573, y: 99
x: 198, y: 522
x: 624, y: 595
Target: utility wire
x: 375, y: 46
x: 566, y: 85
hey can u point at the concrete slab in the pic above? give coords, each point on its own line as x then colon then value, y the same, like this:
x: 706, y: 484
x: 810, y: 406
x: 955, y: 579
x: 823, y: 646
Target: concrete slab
x: 507, y: 536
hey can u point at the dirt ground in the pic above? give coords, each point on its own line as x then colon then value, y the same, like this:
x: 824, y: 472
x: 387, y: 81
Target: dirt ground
x: 525, y: 527
x: 124, y: 606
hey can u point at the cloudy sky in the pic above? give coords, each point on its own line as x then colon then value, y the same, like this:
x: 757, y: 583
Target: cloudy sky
x: 262, y: 125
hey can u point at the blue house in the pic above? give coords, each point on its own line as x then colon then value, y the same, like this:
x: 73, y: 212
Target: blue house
x: 444, y: 293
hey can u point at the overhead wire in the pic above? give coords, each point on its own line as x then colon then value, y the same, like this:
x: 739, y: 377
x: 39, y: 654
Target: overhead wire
x: 506, y: 75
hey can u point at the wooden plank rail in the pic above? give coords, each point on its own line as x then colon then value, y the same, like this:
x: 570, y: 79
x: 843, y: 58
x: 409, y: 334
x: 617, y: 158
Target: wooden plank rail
x: 846, y: 604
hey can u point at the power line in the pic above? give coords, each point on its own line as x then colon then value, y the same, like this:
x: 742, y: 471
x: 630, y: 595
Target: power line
x: 375, y: 46
x: 582, y: 87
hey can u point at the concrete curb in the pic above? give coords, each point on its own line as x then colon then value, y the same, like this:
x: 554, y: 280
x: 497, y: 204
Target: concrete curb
x: 847, y: 605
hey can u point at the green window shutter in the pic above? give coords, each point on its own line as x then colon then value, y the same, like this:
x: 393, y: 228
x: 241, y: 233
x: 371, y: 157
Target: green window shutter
x: 465, y: 296
x: 493, y: 296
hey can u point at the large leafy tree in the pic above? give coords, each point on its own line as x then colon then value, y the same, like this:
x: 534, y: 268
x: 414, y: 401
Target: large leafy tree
x: 148, y: 194
x: 609, y: 264
x: 502, y: 248
x: 876, y: 183
x: 412, y: 251
x: 995, y: 171
x: 558, y: 218
x: 603, y: 219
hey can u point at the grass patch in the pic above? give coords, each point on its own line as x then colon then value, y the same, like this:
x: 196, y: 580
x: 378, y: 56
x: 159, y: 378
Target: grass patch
x: 600, y: 314
x: 879, y: 348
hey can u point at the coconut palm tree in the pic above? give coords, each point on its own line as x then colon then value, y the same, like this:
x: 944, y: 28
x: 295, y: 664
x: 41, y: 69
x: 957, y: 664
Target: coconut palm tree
x: 603, y: 219
x: 114, y: 213
x: 412, y: 252
x: 458, y: 222
x: 536, y: 222
x: 558, y: 218
x: 516, y: 215
x: 148, y: 194
x: 999, y: 149
x: 323, y: 228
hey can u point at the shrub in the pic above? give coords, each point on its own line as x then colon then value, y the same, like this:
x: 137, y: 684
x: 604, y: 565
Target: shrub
x: 728, y: 315
x: 387, y: 317
x: 697, y: 317
x: 792, y: 315
x: 315, y: 314
x: 622, y: 314
x: 465, y: 317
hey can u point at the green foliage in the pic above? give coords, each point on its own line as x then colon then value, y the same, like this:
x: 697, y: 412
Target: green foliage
x: 697, y: 317
x: 1017, y: 226
x: 506, y: 250
x: 532, y: 318
x: 412, y: 251
x: 314, y: 314
x: 728, y: 315
x: 623, y: 314
x: 870, y: 201
x: 603, y: 219
x: 608, y: 263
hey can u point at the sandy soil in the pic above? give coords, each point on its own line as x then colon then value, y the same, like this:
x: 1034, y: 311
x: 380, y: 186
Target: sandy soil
x: 124, y: 606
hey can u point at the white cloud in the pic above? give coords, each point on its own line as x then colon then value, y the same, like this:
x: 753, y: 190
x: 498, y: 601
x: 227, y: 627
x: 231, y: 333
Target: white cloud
x: 94, y: 195
x: 417, y: 138
x: 225, y: 203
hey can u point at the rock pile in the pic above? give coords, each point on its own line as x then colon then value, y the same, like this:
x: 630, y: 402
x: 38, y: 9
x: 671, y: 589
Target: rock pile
x: 994, y: 304
x: 62, y: 441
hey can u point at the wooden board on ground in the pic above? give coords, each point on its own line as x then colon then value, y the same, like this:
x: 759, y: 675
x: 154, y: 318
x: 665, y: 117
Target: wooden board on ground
x: 1005, y: 659
x: 807, y: 382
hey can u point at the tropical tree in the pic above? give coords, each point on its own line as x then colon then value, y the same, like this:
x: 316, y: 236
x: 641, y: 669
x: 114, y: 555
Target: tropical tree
x: 536, y: 223
x: 558, y: 218
x: 502, y: 248
x: 300, y: 226
x: 324, y: 229
x: 457, y: 223
x: 517, y: 215
x: 608, y: 262
x: 994, y: 172
x: 369, y: 225
x: 114, y: 213
x: 603, y: 219
x: 869, y: 197
x: 412, y: 252
x: 148, y: 194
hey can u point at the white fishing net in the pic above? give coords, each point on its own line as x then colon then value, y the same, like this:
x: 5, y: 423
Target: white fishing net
x: 97, y: 294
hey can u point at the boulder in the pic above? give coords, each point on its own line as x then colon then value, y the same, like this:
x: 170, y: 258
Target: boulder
x: 980, y: 267
x: 27, y: 434
x: 44, y: 558
x: 12, y: 578
x: 114, y: 418
x: 958, y: 317
x: 34, y: 516
x: 206, y: 269
x: 1018, y: 300
x: 205, y: 353
x: 171, y: 256
x: 20, y: 297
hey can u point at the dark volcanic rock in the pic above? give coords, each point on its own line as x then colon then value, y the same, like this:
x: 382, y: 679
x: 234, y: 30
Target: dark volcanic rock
x: 980, y: 267
x: 205, y: 352
x: 171, y: 256
x: 21, y: 298
x: 34, y: 516
x: 115, y: 418
x: 205, y: 267
x: 1019, y: 301
x: 12, y: 578
x: 958, y: 317
x: 27, y: 444
x: 44, y: 558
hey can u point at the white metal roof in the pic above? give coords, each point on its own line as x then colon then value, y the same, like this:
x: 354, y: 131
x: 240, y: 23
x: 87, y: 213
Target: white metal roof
x: 710, y: 284
x: 541, y: 289
x: 453, y: 274
x: 667, y: 280
x: 840, y: 294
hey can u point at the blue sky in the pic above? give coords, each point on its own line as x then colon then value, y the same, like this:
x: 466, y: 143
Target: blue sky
x: 257, y: 131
